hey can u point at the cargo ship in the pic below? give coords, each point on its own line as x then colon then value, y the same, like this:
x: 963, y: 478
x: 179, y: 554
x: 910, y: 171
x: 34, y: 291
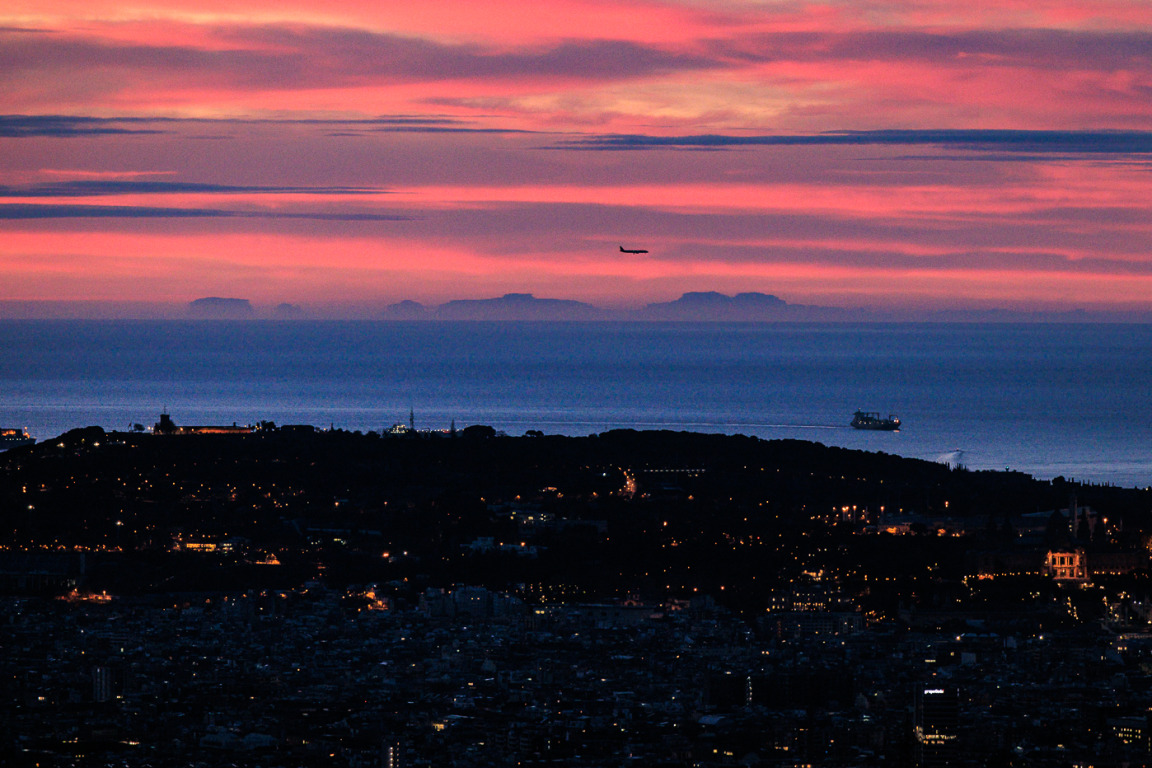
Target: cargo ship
x: 14, y: 438
x: 866, y: 420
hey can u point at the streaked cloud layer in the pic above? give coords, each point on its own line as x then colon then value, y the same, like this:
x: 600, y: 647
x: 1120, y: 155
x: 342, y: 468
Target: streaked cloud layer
x: 906, y: 154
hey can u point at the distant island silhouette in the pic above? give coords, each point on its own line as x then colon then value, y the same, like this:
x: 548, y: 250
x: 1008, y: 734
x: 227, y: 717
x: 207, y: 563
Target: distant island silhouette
x: 286, y: 311
x: 692, y: 306
x: 713, y: 306
x: 700, y: 306
x: 519, y: 306
x: 215, y: 307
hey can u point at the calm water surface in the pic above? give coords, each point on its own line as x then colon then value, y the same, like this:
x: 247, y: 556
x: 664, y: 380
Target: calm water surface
x: 1049, y: 400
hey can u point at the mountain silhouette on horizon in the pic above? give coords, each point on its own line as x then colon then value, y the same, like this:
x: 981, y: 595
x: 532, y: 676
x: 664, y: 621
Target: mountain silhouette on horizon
x: 510, y: 306
x: 695, y: 305
x: 217, y: 308
x: 712, y: 305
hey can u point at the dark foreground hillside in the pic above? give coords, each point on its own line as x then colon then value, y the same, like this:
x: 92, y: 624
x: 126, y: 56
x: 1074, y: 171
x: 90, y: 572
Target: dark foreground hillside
x: 302, y: 597
x: 622, y: 513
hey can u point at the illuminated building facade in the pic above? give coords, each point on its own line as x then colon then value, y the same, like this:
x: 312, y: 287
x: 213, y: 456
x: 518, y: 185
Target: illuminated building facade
x: 1131, y: 730
x: 1067, y: 565
x: 167, y: 427
x: 937, y: 721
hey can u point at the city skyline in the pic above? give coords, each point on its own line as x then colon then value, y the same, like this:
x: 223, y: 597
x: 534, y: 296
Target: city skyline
x: 888, y: 155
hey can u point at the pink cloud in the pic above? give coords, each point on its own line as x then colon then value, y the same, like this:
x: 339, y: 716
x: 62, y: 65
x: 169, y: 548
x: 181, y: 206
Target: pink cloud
x: 371, y: 152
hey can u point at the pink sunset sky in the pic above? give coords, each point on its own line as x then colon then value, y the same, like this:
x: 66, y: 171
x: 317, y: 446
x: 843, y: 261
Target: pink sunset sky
x: 924, y: 154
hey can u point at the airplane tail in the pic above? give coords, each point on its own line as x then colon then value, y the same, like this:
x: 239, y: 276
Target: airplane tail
x: 621, y: 249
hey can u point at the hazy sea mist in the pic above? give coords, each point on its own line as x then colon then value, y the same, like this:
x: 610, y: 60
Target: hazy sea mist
x: 1049, y: 400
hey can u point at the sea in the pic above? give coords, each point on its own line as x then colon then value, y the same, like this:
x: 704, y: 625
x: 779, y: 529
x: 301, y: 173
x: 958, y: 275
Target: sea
x: 1046, y: 399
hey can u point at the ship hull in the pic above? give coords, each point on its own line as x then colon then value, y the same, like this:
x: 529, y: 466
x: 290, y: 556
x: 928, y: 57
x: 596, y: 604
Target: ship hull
x: 872, y: 421
x: 884, y: 427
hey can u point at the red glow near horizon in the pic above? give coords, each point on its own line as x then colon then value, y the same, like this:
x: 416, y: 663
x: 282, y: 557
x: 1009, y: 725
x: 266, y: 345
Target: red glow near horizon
x: 371, y: 153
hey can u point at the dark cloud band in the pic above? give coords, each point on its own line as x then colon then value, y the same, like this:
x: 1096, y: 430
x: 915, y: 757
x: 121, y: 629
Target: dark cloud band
x: 21, y: 126
x: 10, y: 211
x: 94, y: 188
x: 64, y: 126
x: 1068, y: 142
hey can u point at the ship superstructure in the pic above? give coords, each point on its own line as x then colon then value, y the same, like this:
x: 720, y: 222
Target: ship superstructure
x: 873, y: 420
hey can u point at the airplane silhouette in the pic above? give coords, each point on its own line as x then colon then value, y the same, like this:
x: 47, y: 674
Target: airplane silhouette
x: 625, y: 250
